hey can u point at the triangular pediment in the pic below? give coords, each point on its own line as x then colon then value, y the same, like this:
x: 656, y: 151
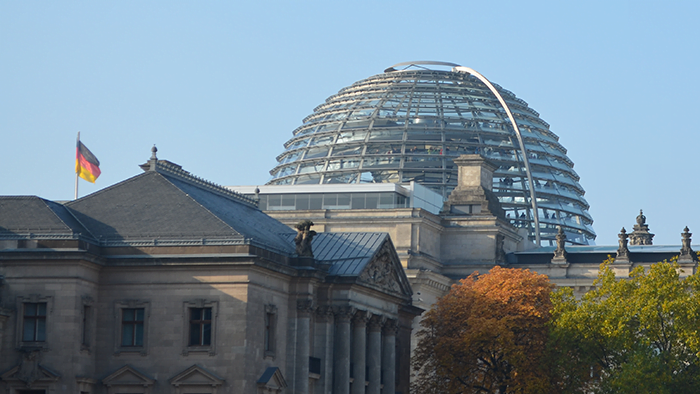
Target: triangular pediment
x: 385, y: 273
x: 196, y: 376
x: 128, y: 376
x: 272, y: 380
x: 41, y: 375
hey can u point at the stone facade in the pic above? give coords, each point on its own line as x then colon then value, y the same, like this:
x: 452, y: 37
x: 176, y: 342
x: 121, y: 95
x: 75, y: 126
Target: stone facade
x: 165, y: 283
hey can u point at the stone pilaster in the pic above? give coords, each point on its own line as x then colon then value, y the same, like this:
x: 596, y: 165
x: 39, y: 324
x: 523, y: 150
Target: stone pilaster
x: 341, y: 364
x: 389, y: 356
x: 301, y: 381
x: 359, y: 351
x: 374, y: 354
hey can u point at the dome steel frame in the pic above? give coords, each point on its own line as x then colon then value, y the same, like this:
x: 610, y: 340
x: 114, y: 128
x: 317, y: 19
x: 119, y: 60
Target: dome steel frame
x: 365, y: 131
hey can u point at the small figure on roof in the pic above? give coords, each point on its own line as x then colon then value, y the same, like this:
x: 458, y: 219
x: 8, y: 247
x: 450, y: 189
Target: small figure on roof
x: 304, y: 237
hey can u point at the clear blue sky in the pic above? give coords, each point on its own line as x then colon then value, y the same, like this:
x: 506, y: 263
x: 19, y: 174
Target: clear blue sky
x: 220, y: 85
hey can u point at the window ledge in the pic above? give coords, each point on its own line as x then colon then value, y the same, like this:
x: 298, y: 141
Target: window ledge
x: 199, y: 350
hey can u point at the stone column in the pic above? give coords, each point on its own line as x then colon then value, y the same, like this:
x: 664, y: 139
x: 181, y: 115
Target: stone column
x: 341, y: 365
x: 323, y: 348
x: 389, y: 356
x: 374, y: 354
x: 304, y: 309
x: 359, y: 351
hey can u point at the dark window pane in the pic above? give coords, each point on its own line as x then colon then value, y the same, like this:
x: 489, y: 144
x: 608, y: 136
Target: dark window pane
x: 28, y: 335
x: 194, y: 334
x: 128, y: 315
x: 207, y: 313
x: 206, y: 335
x: 41, y: 309
x: 30, y: 309
x: 195, y: 314
x: 127, y: 335
x: 41, y: 330
x: 138, y: 337
x: 139, y: 314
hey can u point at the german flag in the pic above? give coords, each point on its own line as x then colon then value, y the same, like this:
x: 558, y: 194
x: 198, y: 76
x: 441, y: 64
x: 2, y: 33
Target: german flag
x: 86, y: 164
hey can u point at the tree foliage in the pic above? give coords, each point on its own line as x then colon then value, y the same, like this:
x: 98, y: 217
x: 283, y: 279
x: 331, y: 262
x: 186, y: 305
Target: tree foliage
x: 487, y: 335
x: 635, y: 335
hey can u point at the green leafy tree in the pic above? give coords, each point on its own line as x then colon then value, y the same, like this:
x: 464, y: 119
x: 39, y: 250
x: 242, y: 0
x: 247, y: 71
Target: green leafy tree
x: 635, y: 335
x: 487, y: 335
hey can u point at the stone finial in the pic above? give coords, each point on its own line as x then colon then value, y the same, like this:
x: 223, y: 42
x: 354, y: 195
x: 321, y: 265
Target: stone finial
x: 150, y: 165
x: 560, y: 251
x: 641, y: 234
x: 687, y: 253
x: 257, y: 193
x: 623, y: 253
x: 304, y: 237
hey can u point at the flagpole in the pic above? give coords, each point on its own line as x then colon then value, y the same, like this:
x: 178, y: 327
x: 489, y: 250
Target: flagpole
x: 76, y: 168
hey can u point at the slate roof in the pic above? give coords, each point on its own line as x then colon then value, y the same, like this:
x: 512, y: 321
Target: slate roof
x: 168, y: 203
x: 348, y: 253
x: 594, y: 254
x: 34, y: 215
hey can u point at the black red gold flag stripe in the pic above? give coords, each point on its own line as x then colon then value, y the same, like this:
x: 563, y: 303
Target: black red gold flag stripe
x: 86, y: 164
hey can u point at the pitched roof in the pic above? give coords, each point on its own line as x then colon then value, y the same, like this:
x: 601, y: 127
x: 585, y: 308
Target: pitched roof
x: 169, y: 203
x: 35, y: 215
x: 348, y: 253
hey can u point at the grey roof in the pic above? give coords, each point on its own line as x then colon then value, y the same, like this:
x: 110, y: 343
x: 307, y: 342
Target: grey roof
x: 168, y: 203
x: 35, y: 215
x: 348, y: 253
x: 597, y: 254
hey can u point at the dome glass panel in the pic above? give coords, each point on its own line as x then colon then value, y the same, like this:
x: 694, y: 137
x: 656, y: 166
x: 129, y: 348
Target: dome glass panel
x: 409, y: 124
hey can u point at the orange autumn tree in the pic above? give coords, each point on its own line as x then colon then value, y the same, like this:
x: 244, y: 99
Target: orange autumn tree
x: 487, y: 335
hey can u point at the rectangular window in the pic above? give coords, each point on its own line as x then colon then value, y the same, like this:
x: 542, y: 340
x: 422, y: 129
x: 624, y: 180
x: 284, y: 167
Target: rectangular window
x: 270, y: 328
x: 85, y: 328
x: 132, y: 327
x: 200, y: 327
x: 34, y: 322
x: 269, y: 317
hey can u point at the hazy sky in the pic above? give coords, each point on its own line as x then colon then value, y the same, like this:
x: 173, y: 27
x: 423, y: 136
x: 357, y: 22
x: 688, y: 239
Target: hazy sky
x: 219, y: 86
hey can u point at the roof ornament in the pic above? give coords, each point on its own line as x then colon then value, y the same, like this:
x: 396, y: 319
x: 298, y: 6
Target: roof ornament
x: 641, y: 234
x: 687, y: 254
x: 304, y: 237
x: 154, y: 159
x: 623, y: 252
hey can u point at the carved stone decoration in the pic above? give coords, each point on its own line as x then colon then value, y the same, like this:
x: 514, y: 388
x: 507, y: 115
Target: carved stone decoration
x: 343, y: 313
x: 361, y: 318
x: 687, y: 253
x: 324, y: 313
x: 304, y: 237
x: 29, y: 367
x: 623, y: 253
x: 381, y: 272
x: 641, y: 234
x: 391, y: 327
x: 376, y: 322
x: 560, y: 251
x: 305, y: 306
x: 500, y: 251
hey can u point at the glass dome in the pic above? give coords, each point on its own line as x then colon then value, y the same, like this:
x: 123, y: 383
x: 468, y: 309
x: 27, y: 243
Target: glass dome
x: 410, y: 122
